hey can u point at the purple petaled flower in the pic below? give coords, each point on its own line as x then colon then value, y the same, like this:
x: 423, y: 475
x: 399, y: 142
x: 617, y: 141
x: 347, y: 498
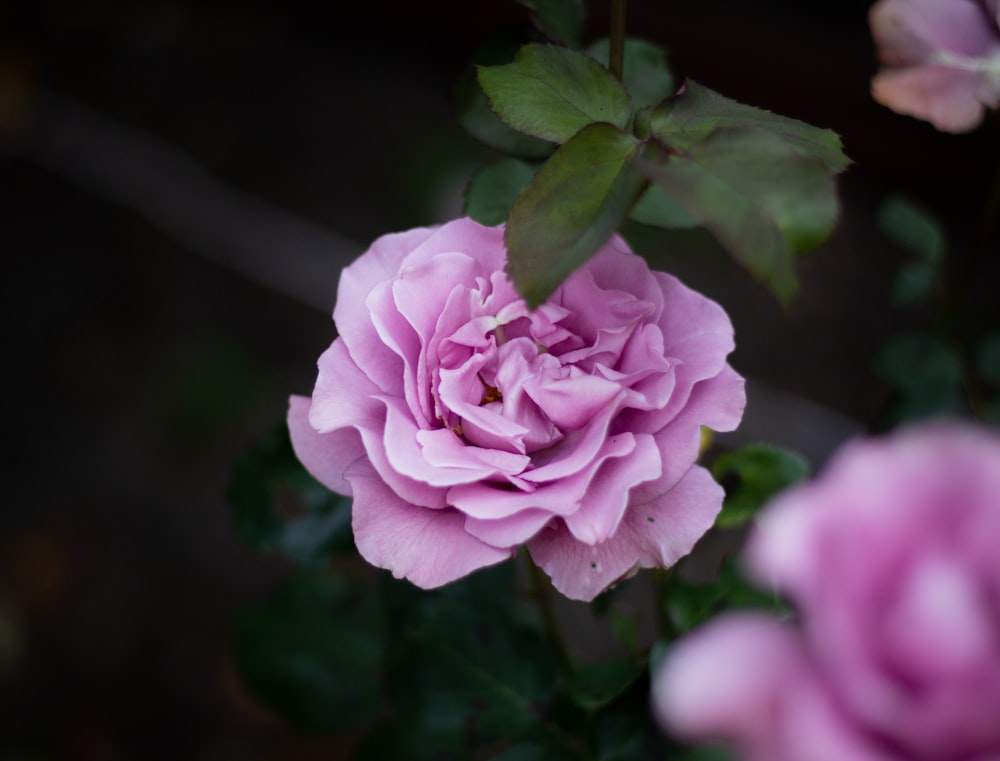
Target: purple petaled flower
x: 465, y: 425
x: 892, y: 561
x: 942, y: 59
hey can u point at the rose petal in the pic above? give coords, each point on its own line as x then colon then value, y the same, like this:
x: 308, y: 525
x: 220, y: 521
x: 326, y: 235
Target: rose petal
x: 696, y: 331
x: 746, y: 679
x: 560, y: 497
x: 353, y: 319
x: 911, y: 31
x: 605, y: 500
x: 615, y: 268
x: 404, y: 450
x: 945, y: 97
x: 466, y: 236
x: 719, y: 683
x: 428, y: 547
x: 510, y: 531
x: 399, y: 336
x: 344, y: 398
x: 571, y: 402
x: 716, y: 403
x: 654, y: 535
x: 325, y: 456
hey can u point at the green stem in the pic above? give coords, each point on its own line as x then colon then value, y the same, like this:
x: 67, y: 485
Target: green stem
x: 540, y: 589
x: 617, y: 56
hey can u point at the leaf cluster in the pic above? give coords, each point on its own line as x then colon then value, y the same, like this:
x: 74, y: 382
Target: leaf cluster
x: 639, y: 148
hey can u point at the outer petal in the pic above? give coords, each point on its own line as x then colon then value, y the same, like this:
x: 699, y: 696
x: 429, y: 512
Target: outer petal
x: 428, y: 547
x: 354, y: 323
x: 654, y: 535
x: 697, y: 331
x: 945, y: 97
x: 717, y: 403
x: 325, y: 456
x: 909, y: 31
x: 484, y: 244
x: 719, y: 682
x: 615, y: 267
x: 345, y: 398
x: 747, y: 679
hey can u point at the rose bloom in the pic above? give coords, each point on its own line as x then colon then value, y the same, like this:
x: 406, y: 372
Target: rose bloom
x: 464, y: 425
x: 891, y: 560
x: 942, y: 59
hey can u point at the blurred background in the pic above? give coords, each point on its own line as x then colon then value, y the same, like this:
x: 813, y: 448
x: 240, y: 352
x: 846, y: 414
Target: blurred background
x: 180, y: 184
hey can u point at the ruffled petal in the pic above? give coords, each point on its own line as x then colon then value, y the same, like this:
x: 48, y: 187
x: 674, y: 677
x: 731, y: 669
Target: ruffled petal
x: 654, y: 535
x: 351, y: 315
x: 511, y: 531
x: 325, y: 456
x: 428, y: 547
x: 560, y: 497
x: 604, y: 503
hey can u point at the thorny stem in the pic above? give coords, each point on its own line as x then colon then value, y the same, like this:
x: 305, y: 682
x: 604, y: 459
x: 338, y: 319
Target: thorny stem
x: 540, y: 591
x: 617, y: 34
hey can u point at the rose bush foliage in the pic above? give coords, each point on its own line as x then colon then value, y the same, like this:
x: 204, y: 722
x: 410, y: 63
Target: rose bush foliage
x: 891, y: 562
x: 942, y: 59
x: 464, y: 425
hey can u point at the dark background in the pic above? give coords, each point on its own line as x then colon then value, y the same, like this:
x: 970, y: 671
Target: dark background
x: 155, y: 320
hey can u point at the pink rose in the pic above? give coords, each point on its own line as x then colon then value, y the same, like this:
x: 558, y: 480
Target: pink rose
x: 942, y: 59
x: 464, y: 425
x: 892, y: 561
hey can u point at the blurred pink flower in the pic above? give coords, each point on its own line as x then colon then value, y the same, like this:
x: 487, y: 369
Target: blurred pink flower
x: 465, y: 425
x: 891, y: 561
x: 941, y: 57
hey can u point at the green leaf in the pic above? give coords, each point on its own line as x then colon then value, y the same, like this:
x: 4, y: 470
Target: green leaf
x: 644, y: 70
x: 493, y: 189
x: 279, y: 507
x: 465, y: 672
x: 764, y: 201
x: 594, y: 686
x: 926, y: 374
x: 478, y: 119
x: 913, y: 228
x: 570, y: 209
x: 914, y: 283
x: 654, y: 208
x: 313, y: 653
x: 752, y: 475
x: 691, y: 116
x: 554, y: 92
x: 559, y: 20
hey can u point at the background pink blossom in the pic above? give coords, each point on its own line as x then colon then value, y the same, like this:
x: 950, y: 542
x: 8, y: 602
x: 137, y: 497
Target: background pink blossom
x: 890, y: 559
x: 464, y: 425
x: 941, y: 57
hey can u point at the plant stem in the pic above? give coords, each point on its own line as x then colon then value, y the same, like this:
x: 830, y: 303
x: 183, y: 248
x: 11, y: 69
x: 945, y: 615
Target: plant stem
x: 617, y: 54
x: 540, y: 591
